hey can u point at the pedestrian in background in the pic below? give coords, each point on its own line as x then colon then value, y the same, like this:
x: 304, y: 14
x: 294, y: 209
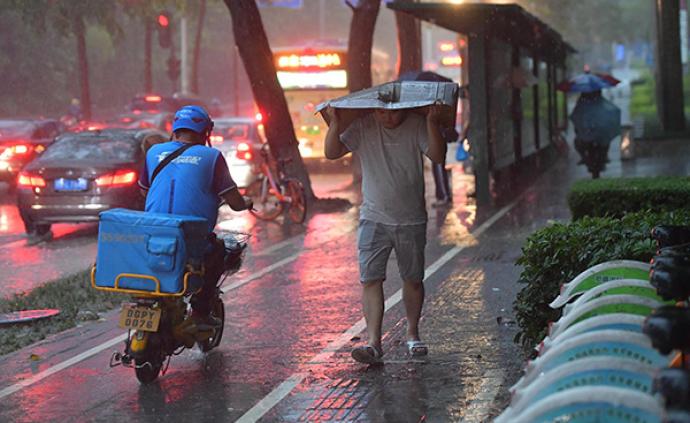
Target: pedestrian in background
x: 390, y: 145
x: 444, y: 196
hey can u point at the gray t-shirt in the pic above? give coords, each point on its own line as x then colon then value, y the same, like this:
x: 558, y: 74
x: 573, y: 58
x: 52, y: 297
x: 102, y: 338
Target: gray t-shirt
x: 392, y: 168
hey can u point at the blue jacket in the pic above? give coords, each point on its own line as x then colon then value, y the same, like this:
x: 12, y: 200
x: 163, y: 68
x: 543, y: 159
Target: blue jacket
x: 189, y: 185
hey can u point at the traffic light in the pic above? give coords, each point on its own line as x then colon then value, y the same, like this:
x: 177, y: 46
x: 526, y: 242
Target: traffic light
x: 173, y: 68
x: 164, y: 30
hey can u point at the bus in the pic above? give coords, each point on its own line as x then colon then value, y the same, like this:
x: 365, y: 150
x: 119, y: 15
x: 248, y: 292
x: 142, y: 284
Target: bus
x: 311, y: 74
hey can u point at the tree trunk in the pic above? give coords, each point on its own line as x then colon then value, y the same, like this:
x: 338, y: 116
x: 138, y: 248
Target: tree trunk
x: 83, y: 64
x: 359, y: 46
x: 360, y: 43
x: 409, y: 43
x: 197, y: 47
x: 257, y: 57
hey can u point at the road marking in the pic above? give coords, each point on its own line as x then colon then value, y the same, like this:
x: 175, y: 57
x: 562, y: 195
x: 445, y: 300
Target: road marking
x: 61, y: 366
x: 98, y: 348
x: 282, y: 390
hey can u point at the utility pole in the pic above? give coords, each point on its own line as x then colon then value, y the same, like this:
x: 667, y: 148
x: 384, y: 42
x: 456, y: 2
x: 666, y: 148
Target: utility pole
x: 184, y: 58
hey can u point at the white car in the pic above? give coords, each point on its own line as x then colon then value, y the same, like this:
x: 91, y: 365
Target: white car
x: 240, y: 140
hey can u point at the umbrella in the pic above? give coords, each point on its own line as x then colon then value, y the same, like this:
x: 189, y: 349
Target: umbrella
x: 588, y: 82
x: 396, y: 95
x: 597, y: 120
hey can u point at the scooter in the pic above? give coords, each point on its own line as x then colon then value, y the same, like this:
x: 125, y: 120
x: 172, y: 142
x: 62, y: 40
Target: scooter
x: 594, y: 156
x: 160, y: 326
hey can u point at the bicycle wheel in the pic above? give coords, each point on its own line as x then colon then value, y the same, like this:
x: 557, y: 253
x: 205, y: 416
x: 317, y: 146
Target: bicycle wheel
x: 297, y: 209
x: 266, y: 204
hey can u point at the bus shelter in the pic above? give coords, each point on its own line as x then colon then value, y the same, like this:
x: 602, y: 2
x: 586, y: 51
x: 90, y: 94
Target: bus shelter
x: 513, y: 62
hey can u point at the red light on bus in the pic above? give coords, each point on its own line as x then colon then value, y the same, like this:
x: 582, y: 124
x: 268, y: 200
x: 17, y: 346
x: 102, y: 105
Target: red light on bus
x: 259, y: 117
x: 153, y: 98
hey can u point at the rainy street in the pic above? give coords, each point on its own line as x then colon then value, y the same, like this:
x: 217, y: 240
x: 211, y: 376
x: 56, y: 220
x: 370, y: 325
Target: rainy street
x: 378, y: 211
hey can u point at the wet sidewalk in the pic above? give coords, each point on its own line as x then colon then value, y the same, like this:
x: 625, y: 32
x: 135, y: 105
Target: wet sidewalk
x: 467, y: 320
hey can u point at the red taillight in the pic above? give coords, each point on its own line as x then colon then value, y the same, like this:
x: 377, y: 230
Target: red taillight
x: 30, y: 181
x: 244, y: 151
x: 259, y: 117
x: 244, y: 155
x: 119, y: 178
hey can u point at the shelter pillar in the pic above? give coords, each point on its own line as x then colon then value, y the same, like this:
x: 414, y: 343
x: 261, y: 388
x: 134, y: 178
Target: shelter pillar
x: 479, y: 122
x: 669, y: 67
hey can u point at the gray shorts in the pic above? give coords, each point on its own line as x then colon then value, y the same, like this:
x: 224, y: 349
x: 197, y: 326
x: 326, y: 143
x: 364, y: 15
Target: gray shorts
x: 375, y: 243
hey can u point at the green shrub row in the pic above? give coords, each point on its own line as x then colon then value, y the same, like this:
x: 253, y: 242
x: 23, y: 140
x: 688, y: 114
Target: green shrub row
x: 614, y: 197
x: 557, y: 253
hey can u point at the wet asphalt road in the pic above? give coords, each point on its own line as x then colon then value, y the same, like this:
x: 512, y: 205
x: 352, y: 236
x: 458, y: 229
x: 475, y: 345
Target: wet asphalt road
x: 71, y: 250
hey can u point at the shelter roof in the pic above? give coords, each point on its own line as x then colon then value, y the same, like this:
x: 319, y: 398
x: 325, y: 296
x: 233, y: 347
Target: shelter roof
x: 508, y: 22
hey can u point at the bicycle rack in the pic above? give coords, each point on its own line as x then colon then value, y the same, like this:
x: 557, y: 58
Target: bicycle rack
x: 629, y: 304
x: 614, y: 321
x: 596, y: 371
x: 601, y: 273
x: 612, y: 343
x: 637, y: 287
x: 593, y: 403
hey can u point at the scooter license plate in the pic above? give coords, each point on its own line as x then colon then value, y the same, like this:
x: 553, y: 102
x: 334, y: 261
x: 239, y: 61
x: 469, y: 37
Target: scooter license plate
x: 140, y: 318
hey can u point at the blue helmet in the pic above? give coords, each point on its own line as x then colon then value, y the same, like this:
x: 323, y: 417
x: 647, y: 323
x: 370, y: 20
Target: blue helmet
x: 193, y: 118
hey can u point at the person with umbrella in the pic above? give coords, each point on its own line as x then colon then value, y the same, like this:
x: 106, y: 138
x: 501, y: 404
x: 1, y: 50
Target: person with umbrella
x: 597, y: 121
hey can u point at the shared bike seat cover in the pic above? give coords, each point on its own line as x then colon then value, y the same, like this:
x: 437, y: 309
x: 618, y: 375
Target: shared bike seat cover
x: 137, y: 248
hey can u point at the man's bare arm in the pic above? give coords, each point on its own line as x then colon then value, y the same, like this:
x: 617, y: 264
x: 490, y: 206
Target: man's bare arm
x: 236, y: 201
x: 334, y: 149
x: 437, y: 145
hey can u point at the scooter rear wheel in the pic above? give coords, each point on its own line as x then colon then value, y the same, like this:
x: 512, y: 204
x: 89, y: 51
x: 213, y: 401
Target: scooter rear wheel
x: 217, y: 311
x: 147, y: 373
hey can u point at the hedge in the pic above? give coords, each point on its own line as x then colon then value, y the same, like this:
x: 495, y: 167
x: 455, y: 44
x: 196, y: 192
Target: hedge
x: 557, y: 253
x: 614, y: 197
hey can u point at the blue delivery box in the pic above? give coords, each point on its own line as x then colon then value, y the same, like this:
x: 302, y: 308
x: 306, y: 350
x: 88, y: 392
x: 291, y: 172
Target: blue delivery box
x: 155, y: 253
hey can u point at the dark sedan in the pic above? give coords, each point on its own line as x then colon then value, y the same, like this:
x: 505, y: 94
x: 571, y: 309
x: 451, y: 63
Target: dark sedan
x: 21, y: 141
x: 82, y: 174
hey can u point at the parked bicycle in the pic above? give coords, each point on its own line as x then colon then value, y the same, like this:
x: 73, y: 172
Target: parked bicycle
x: 274, y: 193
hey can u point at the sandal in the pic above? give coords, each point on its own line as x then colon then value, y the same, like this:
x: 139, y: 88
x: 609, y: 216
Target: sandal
x: 367, y: 354
x: 417, y: 348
